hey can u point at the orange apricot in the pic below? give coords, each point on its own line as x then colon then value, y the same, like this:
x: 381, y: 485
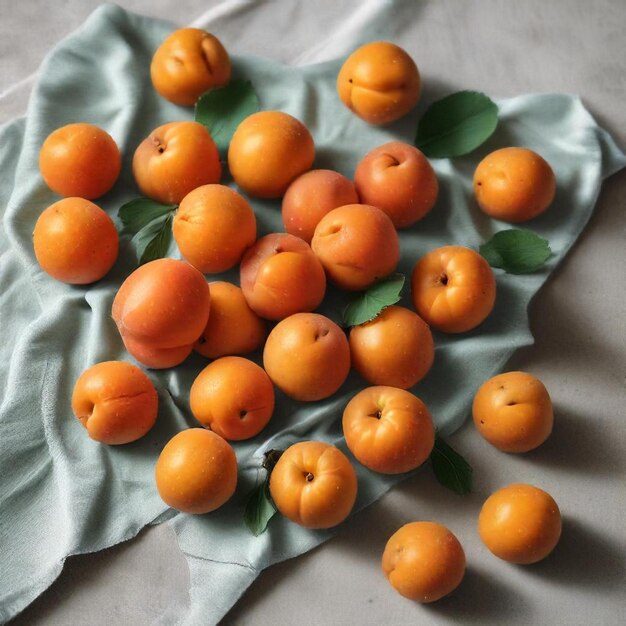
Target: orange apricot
x: 75, y: 241
x: 80, y: 160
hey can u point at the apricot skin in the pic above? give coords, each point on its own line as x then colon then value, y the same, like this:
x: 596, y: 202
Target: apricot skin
x: 398, y: 179
x: 379, y: 82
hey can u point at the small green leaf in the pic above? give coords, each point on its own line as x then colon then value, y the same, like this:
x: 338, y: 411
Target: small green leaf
x: 456, y: 124
x: 154, y: 240
x: 450, y: 468
x: 259, y: 509
x: 517, y: 251
x: 366, y: 305
x: 221, y: 110
x: 138, y: 213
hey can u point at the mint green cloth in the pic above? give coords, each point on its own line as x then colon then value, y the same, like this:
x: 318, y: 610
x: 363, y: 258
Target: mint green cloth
x: 63, y: 494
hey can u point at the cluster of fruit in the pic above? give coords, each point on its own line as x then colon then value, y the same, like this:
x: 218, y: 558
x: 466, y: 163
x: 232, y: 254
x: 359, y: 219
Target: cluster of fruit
x: 337, y: 230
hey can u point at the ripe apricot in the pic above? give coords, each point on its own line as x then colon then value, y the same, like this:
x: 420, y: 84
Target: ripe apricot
x: 281, y: 276
x: 379, y: 82
x: 357, y: 244
x: 314, y: 484
x: 424, y: 561
x: 388, y: 430
x: 161, y: 309
x: 233, y: 327
x: 196, y: 471
x: 520, y: 524
x: 80, y: 160
x: 189, y: 62
x: 268, y: 151
x: 514, y: 184
x: 115, y: 402
x: 397, y: 178
x: 396, y: 348
x: 307, y: 356
x: 75, y: 241
x: 513, y: 412
x: 232, y: 396
x: 313, y: 195
x: 174, y: 159
x: 453, y: 288
x: 213, y: 227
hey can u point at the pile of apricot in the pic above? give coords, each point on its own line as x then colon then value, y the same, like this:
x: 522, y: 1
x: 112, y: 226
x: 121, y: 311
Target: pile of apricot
x: 338, y: 230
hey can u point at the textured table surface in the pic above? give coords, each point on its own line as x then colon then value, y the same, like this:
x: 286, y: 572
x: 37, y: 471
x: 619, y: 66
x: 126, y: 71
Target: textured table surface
x: 578, y: 320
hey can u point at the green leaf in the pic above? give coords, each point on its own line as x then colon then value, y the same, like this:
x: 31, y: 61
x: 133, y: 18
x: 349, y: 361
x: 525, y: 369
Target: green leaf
x: 367, y: 305
x: 222, y: 110
x: 450, y: 468
x: 259, y: 509
x: 138, y: 213
x: 456, y: 124
x: 517, y: 251
x: 154, y: 240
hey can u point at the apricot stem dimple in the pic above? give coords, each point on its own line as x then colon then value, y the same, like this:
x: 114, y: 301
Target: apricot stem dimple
x: 158, y: 144
x: 443, y: 279
x: 309, y: 477
x: 243, y: 413
x: 377, y: 414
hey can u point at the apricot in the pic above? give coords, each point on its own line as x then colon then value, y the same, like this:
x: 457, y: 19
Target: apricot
x: 189, y: 62
x: 379, y: 82
x: 281, y: 276
x: 80, y: 160
x: 75, y: 241
x: 213, y: 227
x: 161, y: 309
x: 357, y: 245
x: 513, y: 412
x: 520, y: 524
x: 268, y: 151
x: 453, y: 289
x: 396, y: 348
x: 234, y: 397
x: 233, y: 327
x: 174, y: 159
x: 196, y: 471
x: 115, y: 402
x: 313, y: 195
x: 398, y: 179
x: 388, y: 430
x: 514, y: 184
x: 307, y: 356
x: 314, y: 484
x: 424, y: 561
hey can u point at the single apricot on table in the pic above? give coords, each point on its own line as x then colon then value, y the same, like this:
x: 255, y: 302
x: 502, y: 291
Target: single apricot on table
x: 281, y: 276
x: 389, y: 430
x: 514, y: 184
x: 75, y: 241
x: 379, y: 82
x: 234, y: 397
x: 80, y: 160
x: 397, y: 178
x: 513, y: 412
x: 520, y: 524
x: 453, y: 289
x: 268, y: 151
x: 314, y: 484
x: 311, y: 196
x: 357, y: 245
x: 174, y: 159
x: 196, y: 471
x: 307, y: 356
x: 396, y: 348
x: 161, y: 310
x: 115, y: 401
x: 213, y: 227
x: 233, y: 327
x: 424, y: 561
x: 189, y: 62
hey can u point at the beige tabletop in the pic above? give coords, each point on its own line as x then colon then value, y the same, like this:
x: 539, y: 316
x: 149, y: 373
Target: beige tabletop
x: 578, y: 320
